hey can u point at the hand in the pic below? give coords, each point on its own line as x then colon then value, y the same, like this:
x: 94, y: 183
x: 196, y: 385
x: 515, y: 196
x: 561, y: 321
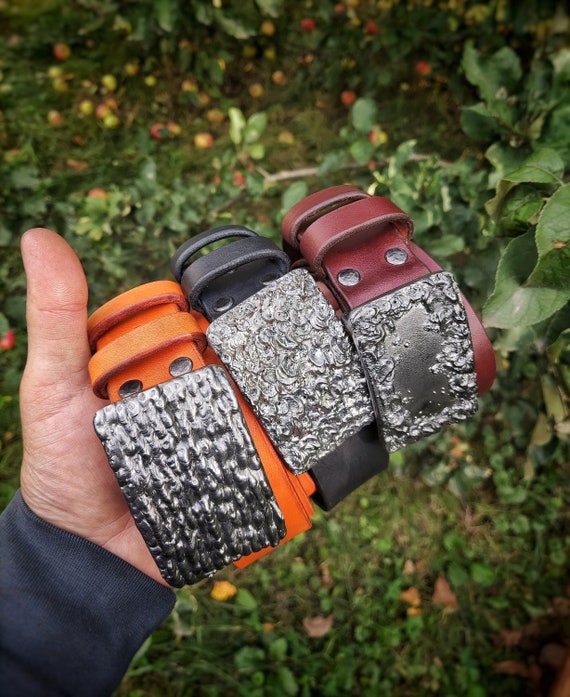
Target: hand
x: 66, y: 479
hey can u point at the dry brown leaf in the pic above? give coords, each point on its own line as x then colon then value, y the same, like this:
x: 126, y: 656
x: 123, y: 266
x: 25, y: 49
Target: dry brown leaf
x: 411, y: 596
x: 317, y: 627
x: 77, y: 165
x: 509, y: 637
x: 326, y: 578
x: 510, y: 667
x: 443, y: 595
x: 553, y: 655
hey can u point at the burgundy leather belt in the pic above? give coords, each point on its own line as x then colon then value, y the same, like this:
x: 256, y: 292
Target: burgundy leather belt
x: 416, y: 333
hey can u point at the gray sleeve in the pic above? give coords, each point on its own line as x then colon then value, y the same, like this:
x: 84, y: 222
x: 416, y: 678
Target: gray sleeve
x: 72, y: 615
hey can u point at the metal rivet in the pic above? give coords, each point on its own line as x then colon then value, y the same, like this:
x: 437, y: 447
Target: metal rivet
x: 348, y: 277
x: 129, y: 388
x: 180, y: 366
x: 396, y: 256
x: 223, y: 304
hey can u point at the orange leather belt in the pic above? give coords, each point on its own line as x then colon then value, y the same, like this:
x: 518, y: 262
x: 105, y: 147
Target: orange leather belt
x: 203, y: 480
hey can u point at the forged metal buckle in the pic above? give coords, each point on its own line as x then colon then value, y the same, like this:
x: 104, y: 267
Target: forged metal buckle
x: 191, y: 475
x: 293, y: 360
x: 415, y: 346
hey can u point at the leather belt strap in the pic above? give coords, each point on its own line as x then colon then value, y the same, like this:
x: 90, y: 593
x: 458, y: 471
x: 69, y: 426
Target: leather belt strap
x: 191, y: 475
x: 337, y: 230
x: 292, y: 359
x: 163, y: 441
x: 222, y: 278
x: 360, y: 246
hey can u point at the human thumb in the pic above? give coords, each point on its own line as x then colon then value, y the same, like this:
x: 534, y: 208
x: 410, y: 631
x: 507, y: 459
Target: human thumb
x: 58, y: 349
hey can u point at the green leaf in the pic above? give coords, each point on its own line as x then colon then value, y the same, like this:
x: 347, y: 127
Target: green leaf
x: 237, y: 125
x: 552, y: 270
x: 545, y: 166
x: 403, y: 153
x: 491, y: 73
x: 504, y: 159
x: 457, y: 575
x: 249, y: 658
x: 364, y: 115
x: 255, y: 126
x: 278, y: 649
x: 332, y: 161
x: 446, y: 245
x: 293, y: 194
x: 233, y: 27
x: 512, y: 303
x: 245, y: 600
x: 288, y: 682
x: 256, y: 151
x: 269, y: 7
x: 361, y: 151
x: 515, y: 206
x: 24, y: 177
x: 477, y: 123
x: 4, y: 325
x: 166, y: 11
x: 483, y: 574
x: 553, y: 227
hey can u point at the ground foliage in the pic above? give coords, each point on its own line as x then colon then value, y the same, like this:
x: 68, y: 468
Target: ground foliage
x: 449, y: 574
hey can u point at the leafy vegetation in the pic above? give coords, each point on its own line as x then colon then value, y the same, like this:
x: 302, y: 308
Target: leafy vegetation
x: 128, y: 127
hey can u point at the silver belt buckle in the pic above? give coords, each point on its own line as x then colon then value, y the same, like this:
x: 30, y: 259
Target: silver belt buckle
x: 191, y: 475
x: 415, y: 347
x: 293, y: 360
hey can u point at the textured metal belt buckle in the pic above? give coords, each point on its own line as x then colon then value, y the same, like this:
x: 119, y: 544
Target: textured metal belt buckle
x: 415, y: 346
x: 293, y: 360
x: 186, y: 465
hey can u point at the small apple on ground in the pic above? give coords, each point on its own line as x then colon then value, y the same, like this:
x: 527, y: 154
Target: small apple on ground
x: 203, y: 140
x: 267, y: 28
x: 55, y: 71
x: 102, y: 110
x: 86, y: 107
x: 8, y: 341
x: 98, y: 193
x: 279, y: 77
x: 308, y: 24
x: 347, y: 97
x: 423, y: 68
x: 111, y: 121
x: 215, y: 116
x: 55, y: 118
x: 61, y: 51
x: 256, y: 90
x: 159, y: 131
x: 132, y: 69
x: 109, y: 82
x: 370, y: 28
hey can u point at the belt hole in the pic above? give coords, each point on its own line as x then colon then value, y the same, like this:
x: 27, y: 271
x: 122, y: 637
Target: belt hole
x: 223, y: 304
